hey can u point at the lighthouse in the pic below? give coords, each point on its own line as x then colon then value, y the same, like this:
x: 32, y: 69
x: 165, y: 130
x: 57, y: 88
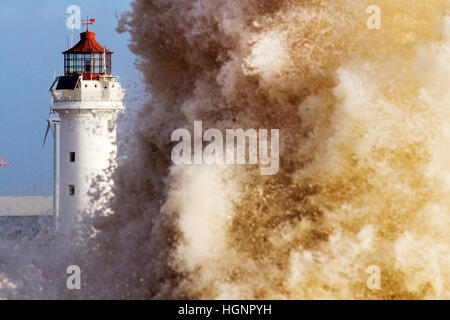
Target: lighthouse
x: 83, y: 115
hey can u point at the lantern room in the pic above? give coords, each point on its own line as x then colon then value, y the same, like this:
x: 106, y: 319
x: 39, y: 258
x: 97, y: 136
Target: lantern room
x: 88, y: 57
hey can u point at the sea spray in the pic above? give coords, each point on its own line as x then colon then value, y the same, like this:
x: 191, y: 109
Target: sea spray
x: 363, y: 119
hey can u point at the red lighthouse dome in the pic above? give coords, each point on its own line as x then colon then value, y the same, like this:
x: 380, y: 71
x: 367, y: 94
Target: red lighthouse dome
x: 87, y: 57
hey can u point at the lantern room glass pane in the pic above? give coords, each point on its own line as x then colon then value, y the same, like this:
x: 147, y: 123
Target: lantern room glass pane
x: 87, y: 63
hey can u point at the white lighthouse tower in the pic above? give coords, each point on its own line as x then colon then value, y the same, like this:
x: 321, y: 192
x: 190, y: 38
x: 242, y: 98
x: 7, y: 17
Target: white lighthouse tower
x: 87, y: 99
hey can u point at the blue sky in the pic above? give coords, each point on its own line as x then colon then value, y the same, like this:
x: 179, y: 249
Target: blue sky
x: 33, y: 34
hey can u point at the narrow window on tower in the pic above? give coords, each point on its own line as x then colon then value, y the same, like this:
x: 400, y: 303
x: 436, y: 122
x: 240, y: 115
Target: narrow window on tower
x: 71, y: 190
x: 111, y: 125
x: 72, y: 156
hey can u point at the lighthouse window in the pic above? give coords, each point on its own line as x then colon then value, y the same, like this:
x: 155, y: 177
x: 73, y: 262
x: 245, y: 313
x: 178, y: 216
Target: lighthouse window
x: 71, y: 190
x: 111, y: 125
x: 87, y: 66
x: 72, y: 156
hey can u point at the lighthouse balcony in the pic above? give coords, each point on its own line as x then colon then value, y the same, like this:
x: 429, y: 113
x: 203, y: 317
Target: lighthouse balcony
x: 103, y: 90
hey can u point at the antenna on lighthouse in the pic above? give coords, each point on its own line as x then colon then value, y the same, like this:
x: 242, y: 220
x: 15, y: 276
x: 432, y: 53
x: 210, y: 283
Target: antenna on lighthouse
x: 71, y: 40
x: 50, y: 119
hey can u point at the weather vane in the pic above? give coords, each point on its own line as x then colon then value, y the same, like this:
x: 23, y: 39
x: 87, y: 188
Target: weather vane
x: 87, y: 22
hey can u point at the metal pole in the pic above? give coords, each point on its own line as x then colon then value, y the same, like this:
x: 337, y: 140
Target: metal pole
x: 56, y: 155
x: 71, y: 43
x: 104, y: 61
